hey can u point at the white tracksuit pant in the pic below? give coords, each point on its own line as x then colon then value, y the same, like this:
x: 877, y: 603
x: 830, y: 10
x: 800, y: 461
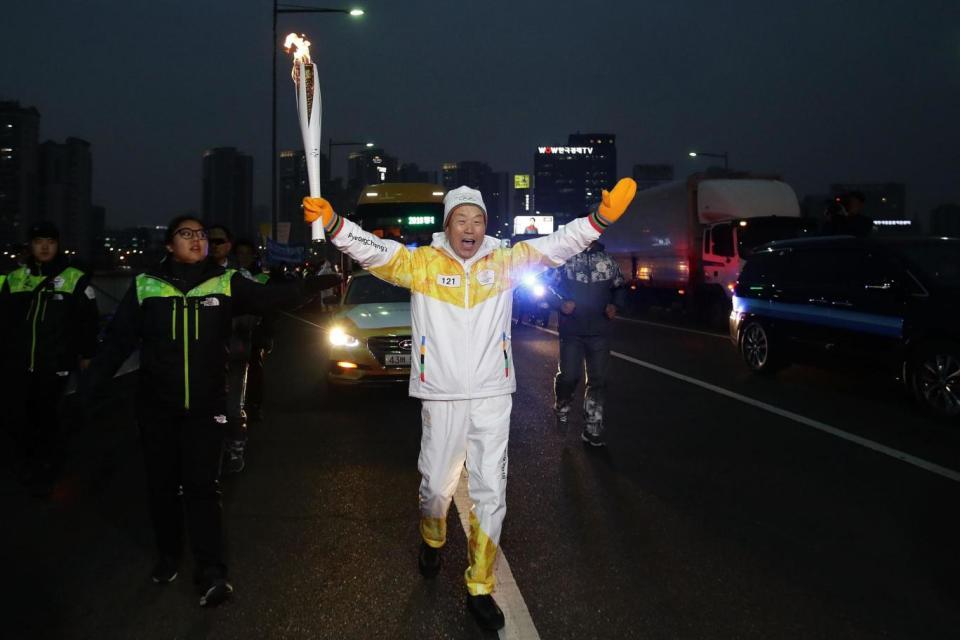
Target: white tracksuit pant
x: 475, y: 432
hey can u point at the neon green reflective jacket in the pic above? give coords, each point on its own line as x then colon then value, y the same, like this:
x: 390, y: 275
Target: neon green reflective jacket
x: 50, y: 316
x: 183, y: 330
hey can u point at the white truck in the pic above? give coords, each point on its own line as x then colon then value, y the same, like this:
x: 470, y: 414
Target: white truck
x: 686, y: 240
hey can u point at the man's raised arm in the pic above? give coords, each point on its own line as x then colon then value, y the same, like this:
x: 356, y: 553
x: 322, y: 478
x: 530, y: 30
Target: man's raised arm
x: 387, y: 259
x: 558, y: 247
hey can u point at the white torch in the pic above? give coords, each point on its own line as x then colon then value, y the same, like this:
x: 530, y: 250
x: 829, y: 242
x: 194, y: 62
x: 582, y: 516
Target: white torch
x: 308, y: 107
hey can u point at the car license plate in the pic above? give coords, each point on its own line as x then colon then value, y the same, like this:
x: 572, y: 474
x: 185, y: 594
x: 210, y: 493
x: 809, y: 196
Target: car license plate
x: 397, y: 359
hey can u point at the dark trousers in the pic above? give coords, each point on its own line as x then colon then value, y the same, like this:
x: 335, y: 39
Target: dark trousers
x: 39, y: 435
x: 255, y: 378
x: 182, y: 456
x: 574, y: 350
x: 236, y: 397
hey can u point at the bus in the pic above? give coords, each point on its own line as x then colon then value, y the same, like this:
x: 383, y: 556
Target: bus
x: 409, y: 213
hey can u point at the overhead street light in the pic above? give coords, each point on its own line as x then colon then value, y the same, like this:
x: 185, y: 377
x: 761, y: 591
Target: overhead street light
x: 278, y: 9
x: 331, y: 144
x: 695, y: 154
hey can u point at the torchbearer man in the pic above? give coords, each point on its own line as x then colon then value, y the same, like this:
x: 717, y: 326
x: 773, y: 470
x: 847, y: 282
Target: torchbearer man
x: 462, y: 361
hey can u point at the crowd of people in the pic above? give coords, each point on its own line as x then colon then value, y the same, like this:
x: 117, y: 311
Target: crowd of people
x: 201, y: 321
x: 193, y: 317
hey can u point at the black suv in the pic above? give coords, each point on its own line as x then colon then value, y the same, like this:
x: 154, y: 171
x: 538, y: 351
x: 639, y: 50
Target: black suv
x: 879, y: 301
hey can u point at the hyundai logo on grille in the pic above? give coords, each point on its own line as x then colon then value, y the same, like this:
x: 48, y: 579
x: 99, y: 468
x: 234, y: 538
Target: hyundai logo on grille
x: 406, y: 345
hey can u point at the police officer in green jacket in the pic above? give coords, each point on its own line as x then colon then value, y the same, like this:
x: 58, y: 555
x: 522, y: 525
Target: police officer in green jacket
x: 179, y: 316
x: 49, y: 322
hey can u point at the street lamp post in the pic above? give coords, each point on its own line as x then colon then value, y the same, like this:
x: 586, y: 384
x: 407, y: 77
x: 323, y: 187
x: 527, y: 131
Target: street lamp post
x: 694, y: 154
x: 278, y: 9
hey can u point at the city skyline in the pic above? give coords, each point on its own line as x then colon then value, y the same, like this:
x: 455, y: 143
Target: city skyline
x: 819, y: 94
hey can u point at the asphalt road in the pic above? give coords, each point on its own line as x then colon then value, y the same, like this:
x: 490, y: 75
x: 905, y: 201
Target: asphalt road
x: 811, y: 505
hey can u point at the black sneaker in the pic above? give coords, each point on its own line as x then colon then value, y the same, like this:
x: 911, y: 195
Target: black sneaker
x: 486, y: 612
x: 234, y: 462
x: 429, y: 560
x: 165, y: 571
x: 218, y: 592
x: 592, y: 440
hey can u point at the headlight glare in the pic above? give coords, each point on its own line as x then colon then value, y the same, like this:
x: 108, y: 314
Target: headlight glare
x: 340, y: 338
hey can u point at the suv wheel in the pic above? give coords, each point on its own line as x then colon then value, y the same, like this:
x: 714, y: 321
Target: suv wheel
x: 934, y: 378
x: 757, y: 348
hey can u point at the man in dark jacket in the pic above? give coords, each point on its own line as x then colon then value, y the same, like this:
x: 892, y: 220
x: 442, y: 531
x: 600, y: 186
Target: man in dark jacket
x: 50, y: 326
x: 220, y: 239
x: 261, y: 338
x: 845, y: 216
x: 179, y: 315
x: 590, y: 288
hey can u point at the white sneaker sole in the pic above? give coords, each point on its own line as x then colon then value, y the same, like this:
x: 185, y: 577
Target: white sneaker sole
x: 212, y: 597
x: 167, y: 581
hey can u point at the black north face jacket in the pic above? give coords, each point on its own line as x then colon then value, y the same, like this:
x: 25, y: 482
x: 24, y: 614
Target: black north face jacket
x: 49, y: 317
x: 180, y: 318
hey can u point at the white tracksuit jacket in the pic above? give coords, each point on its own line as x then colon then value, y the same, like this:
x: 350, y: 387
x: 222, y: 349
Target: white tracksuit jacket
x: 460, y: 309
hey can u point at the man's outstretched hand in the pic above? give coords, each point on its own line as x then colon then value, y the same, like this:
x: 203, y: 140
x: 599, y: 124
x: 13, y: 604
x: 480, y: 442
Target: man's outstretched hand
x: 615, y: 202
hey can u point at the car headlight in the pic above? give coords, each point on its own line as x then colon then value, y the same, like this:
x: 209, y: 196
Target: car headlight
x: 340, y: 338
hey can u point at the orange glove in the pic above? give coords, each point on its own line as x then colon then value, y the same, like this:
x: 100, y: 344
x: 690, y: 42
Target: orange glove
x: 317, y: 208
x: 616, y: 202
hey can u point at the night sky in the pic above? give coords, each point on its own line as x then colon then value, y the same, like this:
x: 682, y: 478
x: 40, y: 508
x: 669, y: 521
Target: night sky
x: 817, y: 91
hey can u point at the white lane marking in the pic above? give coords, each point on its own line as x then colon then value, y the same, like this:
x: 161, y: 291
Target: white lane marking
x: 712, y: 334
x: 519, y: 625
x: 790, y: 415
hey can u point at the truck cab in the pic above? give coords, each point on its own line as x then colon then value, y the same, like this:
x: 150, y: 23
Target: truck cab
x: 726, y: 245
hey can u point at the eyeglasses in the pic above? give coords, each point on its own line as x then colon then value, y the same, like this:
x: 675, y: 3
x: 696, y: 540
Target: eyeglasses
x: 189, y: 234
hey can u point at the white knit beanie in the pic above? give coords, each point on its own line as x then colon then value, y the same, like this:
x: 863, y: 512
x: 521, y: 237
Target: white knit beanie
x: 459, y: 196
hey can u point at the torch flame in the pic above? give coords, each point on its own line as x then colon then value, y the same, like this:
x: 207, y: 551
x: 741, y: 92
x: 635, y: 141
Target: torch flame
x: 302, y: 52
